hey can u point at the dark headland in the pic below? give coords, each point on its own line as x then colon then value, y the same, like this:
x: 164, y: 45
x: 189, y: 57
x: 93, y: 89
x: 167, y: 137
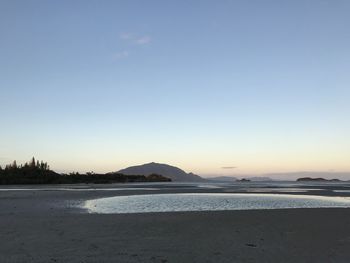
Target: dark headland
x: 35, y: 172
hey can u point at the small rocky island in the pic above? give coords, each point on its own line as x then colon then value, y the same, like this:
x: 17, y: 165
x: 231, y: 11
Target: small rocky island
x: 310, y: 179
x: 243, y: 180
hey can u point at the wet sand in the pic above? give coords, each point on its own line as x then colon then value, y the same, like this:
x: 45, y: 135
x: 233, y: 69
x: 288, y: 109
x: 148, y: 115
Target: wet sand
x: 45, y: 226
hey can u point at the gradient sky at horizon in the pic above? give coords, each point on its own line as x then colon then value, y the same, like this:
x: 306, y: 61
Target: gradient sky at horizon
x: 100, y: 85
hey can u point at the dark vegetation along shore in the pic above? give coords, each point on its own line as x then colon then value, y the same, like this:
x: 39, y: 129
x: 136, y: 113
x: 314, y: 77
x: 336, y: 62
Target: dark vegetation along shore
x: 36, y: 172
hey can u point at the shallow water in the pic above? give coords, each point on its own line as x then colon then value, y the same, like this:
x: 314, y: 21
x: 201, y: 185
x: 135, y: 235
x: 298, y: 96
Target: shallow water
x: 281, y: 190
x: 209, y: 202
x: 342, y: 191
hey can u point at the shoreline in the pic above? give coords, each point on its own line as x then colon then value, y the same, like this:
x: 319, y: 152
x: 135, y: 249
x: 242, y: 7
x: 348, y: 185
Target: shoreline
x: 45, y: 226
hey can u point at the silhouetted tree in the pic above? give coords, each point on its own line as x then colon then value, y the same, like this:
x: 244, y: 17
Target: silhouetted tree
x: 32, y: 163
x: 14, y: 164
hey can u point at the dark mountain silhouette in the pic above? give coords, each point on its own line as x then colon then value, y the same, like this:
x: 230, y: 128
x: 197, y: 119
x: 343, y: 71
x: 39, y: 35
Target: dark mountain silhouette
x: 172, y: 172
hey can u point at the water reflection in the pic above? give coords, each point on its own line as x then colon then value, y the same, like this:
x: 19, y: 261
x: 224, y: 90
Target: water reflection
x: 209, y: 202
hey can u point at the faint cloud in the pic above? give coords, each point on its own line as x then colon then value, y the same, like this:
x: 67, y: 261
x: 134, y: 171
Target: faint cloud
x: 135, y: 39
x: 229, y: 167
x: 121, y: 55
x: 131, y: 40
x: 143, y: 40
x: 125, y: 36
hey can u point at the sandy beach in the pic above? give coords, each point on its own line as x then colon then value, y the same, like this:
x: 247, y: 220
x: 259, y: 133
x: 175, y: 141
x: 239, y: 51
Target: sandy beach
x: 48, y: 226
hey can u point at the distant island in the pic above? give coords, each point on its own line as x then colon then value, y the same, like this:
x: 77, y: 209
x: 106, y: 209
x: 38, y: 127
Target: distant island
x: 292, y: 176
x: 222, y: 179
x: 230, y: 179
x: 244, y: 180
x: 35, y: 172
x: 309, y: 179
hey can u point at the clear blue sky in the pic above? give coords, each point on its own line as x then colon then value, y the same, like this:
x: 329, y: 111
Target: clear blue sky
x: 100, y: 85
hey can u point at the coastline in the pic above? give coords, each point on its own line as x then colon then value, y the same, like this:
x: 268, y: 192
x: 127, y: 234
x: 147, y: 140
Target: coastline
x: 46, y: 226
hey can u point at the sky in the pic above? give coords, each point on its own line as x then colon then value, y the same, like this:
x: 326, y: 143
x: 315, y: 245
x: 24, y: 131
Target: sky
x: 213, y: 87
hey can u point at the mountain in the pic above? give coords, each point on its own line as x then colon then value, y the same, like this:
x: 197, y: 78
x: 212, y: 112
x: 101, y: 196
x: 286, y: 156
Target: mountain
x: 172, y: 172
x: 222, y: 179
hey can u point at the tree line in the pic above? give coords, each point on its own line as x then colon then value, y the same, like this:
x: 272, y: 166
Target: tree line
x: 39, y: 172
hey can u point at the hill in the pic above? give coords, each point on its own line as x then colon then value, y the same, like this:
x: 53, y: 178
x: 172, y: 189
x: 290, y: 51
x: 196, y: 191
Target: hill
x: 172, y: 172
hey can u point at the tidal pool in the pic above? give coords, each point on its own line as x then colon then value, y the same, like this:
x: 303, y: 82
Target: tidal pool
x: 209, y: 202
